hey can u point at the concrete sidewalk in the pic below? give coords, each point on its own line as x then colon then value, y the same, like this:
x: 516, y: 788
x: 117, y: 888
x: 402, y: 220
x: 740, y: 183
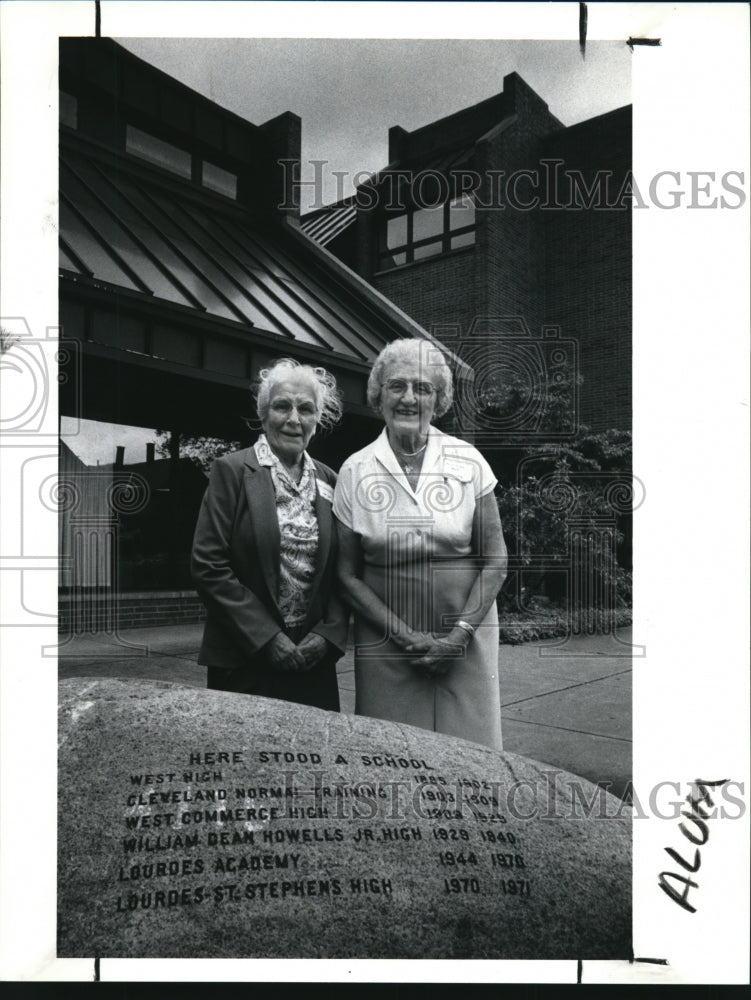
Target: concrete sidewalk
x: 566, y: 705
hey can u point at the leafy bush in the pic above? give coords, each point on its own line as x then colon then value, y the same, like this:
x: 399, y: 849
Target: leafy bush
x: 201, y: 450
x: 7, y: 340
x: 563, y: 522
x: 520, y: 388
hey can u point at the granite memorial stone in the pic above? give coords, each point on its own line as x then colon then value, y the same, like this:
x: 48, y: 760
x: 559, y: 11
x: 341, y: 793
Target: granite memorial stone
x: 198, y: 823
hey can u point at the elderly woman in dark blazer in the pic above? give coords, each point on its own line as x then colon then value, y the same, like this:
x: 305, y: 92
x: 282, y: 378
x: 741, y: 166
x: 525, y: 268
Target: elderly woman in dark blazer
x: 264, y: 552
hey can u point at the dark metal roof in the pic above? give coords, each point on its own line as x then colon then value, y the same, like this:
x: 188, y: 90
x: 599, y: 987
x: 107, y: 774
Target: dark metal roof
x: 325, y: 224
x: 128, y: 226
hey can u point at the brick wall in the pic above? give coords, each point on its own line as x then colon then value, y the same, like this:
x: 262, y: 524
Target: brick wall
x: 588, y: 289
x: 435, y: 291
x: 510, y: 276
x: 136, y: 610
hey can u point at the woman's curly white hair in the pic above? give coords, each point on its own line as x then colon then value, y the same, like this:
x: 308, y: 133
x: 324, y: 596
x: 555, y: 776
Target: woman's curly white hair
x: 323, y: 384
x: 429, y: 363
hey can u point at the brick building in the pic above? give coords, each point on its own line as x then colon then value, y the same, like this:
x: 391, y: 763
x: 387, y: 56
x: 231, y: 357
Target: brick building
x: 509, y: 236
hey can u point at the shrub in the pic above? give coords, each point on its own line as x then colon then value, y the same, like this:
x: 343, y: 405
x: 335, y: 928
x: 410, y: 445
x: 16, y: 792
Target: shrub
x: 565, y: 532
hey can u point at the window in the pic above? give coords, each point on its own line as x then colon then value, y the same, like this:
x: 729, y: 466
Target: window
x: 157, y: 151
x: 179, y: 161
x: 426, y: 232
x: 219, y: 180
x: 68, y: 110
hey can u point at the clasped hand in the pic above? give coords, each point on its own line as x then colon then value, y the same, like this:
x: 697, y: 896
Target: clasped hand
x: 285, y: 655
x: 433, y: 653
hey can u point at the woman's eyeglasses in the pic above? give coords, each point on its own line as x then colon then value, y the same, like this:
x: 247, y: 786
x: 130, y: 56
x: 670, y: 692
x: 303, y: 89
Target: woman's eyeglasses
x: 398, y: 386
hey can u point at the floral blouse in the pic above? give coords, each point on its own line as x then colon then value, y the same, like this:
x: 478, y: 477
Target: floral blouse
x: 298, y: 531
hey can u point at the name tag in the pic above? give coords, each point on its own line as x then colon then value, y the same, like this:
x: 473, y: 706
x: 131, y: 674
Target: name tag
x: 325, y: 490
x: 458, y: 469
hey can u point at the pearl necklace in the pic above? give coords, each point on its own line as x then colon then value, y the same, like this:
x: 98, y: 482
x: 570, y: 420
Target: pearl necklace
x: 411, y: 454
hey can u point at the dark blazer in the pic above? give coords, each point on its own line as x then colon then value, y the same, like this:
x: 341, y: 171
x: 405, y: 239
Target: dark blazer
x: 235, y: 567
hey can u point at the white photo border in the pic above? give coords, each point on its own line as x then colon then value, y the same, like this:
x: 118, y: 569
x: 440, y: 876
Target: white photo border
x: 691, y: 323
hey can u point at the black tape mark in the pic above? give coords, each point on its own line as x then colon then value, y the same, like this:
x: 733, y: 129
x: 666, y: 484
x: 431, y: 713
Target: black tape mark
x: 652, y: 961
x: 97, y: 19
x: 642, y: 41
x: 579, y: 969
x: 96, y: 960
x: 583, y: 29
